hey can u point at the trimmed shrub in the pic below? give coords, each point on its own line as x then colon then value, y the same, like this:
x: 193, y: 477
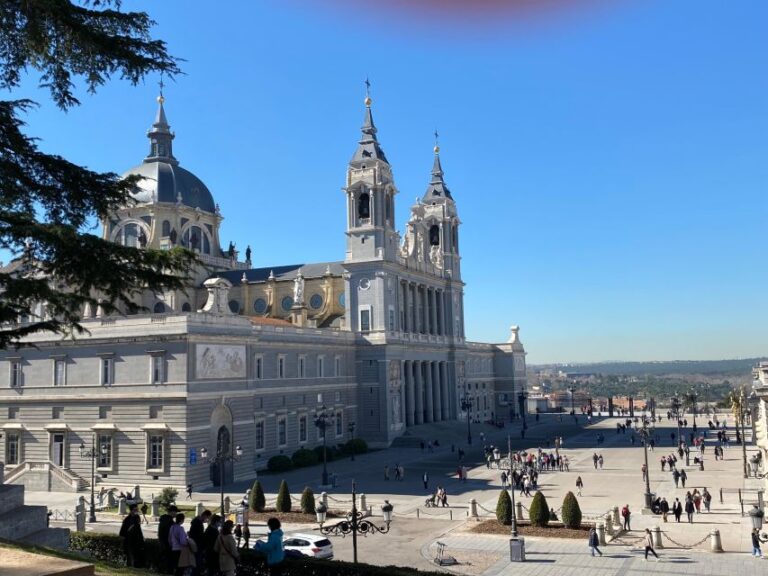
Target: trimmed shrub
x: 108, y: 548
x: 356, y: 446
x: 279, y: 464
x: 571, y: 511
x: 331, y: 452
x: 308, y: 501
x: 256, y: 500
x: 539, y: 511
x: 303, y: 457
x: 504, y: 508
x: 283, y: 498
x: 167, y: 497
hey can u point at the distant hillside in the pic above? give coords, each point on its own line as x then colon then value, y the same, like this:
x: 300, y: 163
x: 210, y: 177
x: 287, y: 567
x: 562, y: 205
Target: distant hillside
x: 724, y: 368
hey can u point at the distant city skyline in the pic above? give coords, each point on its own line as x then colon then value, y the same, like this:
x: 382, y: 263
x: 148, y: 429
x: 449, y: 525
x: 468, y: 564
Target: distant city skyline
x: 609, y: 167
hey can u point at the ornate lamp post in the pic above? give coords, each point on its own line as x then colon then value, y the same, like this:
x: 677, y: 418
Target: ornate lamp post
x: 351, y: 430
x: 466, y: 405
x: 93, y: 454
x: 645, y: 437
x: 572, y: 392
x: 355, y: 524
x: 220, y: 460
x: 512, y: 488
x: 692, y: 396
x: 676, y: 411
x: 322, y: 420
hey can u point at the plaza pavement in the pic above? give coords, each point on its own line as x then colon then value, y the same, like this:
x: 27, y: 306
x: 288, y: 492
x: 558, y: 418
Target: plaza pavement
x: 411, y: 541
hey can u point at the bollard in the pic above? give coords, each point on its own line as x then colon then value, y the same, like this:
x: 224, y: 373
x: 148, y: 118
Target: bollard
x: 120, y: 506
x: 714, y: 543
x: 324, y: 498
x: 111, y: 499
x: 601, y: 534
x: 227, y: 504
x: 608, y: 524
x: 656, y: 531
x: 616, y: 517
x: 137, y: 493
x: 473, y: 508
x: 363, y: 506
x: 79, y: 520
x: 155, y: 509
x: 417, y: 513
x: 199, y: 507
x: 519, y: 506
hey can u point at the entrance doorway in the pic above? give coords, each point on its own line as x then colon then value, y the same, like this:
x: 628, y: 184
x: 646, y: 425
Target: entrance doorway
x: 57, y: 449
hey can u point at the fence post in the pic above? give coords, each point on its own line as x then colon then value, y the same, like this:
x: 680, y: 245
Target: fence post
x: 137, y: 493
x: 199, y: 507
x: 120, y: 506
x: 656, y: 531
x: 473, y: 508
x: 111, y: 500
x: 616, y: 517
x: 417, y: 513
x: 363, y: 506
x: 714, y: 543
x: 608, y: 524
x: 519, y: 506
x: 601, y: 534
x: 155, y: 509
x: 227, y: 504
x: 721, y: 495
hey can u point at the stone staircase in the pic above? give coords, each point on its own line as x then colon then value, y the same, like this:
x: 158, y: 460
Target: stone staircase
x: 28, y: 524
x: 45, y: 476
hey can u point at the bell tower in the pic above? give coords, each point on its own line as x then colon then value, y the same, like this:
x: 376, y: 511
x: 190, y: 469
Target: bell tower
x: 370, y: 191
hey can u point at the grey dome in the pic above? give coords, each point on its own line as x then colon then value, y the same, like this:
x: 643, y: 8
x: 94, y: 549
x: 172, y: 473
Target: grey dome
x: 164, y: 182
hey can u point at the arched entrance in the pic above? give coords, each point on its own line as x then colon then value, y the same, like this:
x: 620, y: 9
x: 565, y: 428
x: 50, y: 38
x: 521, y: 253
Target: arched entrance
x: 221, y: 445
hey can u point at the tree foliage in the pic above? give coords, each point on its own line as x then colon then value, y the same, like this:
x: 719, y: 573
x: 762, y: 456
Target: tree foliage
x: 571, y: 511
x: 504, y: 508
x: 256, y: 500
x: 47, y: 204
x: 308, y: 501
x: 283, y: 498
x: 539, y: 510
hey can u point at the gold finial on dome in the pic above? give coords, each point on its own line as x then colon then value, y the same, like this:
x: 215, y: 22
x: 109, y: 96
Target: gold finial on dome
x: 368, y: 101
x: 160, y: 99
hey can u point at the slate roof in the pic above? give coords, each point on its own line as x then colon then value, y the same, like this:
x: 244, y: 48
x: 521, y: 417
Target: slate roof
x: 282, y: 273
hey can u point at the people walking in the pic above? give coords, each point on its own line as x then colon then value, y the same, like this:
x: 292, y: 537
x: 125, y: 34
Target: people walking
x: 644, y: 470
x: 706, y: 496
x: 689, y: 508
x: 181, y: 549
x: 625, y: 514
x: 677, y: 509
x: 676, y: 477
x: 386, y: 472
x: 133, y: 538
x: 210, y: 537
x: 579, y: 485
x: 164, y: 524
x: 683, y: 477
x: 425, y: 479
x: 756, y: 541
x: 594, y: 541
x: 600, y: 461
x: 664, y: 508
x: 649, y: 545
x: 697, y: 500
x: 226, y: 548
x: 189, y: 491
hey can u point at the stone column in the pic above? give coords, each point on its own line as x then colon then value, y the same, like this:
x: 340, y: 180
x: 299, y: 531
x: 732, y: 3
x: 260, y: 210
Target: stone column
x: 433, y: 311
x: 410, y: 396
x: 414, y: 307
x: 443, y: 368
x: 430, y: 407
x: 439, y: 313
x: 435, y: 367
x: 419, y: 390
x: 406, y: 327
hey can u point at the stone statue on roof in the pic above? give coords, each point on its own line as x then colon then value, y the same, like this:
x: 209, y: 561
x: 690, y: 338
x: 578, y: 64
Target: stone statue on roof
x: 298, y: 289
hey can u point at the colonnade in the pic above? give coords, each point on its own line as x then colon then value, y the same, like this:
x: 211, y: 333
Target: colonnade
x: 427, y: 397
x: 423, y: 309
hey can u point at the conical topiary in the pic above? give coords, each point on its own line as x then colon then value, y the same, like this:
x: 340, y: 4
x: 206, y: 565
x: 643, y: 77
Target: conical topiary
x: 571, y: 511
x: 283, y: 498
x: 504, y: 508
x: 539, y: 511
x: 256, y: 500
x: 308, y: 501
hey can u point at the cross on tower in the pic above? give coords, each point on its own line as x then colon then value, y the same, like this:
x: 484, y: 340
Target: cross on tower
x: 367, y: 86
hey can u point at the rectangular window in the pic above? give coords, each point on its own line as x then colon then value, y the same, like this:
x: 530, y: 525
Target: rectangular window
x: 105, y: 412
x: 339, y: 423
x: 155, y: 412
x: 320, y: 398
x: 365, y: 320
x: 56, y: 412
x: 156, y: 448
x: 12, y: 449
x: 281, y: 367
x: 259, y: 435
x: 158, y: 369
x: 337, y: 366
x: 105, y: 451
x: 282, y: 436
x: 16, y: 374
x: 302, y: 359
x: 259, y: 367
x: 391, y: 319
x: 59, y: 372
x: 106, y: 371
x: 13, y: 412
x: 320, y: 366
x: 302, y: 428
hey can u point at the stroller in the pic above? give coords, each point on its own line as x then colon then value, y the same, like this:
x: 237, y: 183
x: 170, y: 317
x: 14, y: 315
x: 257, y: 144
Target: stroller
x: 430, y: 501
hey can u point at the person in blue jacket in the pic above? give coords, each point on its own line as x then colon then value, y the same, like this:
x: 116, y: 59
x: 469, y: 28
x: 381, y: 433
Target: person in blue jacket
x: 273, y: 548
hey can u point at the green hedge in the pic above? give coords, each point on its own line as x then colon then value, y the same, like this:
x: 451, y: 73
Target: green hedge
x: 303, y: 457
x: 279, y: 464
x: 108, y: 549
x: 283, y: 498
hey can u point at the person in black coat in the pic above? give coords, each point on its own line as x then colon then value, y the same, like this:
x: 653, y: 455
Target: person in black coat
x: 210, y: 536
x: 133, y: 538
x: 196, y: 531
x: 164, y: 524
x: 677, y: 509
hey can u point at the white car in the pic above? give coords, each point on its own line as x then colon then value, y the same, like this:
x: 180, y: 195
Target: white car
x: 310, y: 545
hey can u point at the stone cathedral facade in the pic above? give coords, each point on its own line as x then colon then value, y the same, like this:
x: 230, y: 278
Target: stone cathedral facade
x: 250, y: 356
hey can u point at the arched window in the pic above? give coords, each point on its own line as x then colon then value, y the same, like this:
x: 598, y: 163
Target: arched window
x: 159, y: 308
x: 388, y: 207
x: 186, y: 307
x: 128, y: 235
x: 364, y: 205
x: 195, y: 238
x: 234, y: 306
x: 166, y: 228
x: 434, y: 235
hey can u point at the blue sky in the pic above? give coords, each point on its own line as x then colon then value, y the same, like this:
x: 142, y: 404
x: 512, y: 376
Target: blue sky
x: 609, y: 162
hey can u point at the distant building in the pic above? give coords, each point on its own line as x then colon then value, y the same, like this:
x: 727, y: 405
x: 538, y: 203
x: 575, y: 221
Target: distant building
x: 251, y: 357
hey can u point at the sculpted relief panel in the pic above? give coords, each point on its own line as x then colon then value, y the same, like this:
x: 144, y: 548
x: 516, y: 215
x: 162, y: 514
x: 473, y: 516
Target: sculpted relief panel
x: 219, y: 361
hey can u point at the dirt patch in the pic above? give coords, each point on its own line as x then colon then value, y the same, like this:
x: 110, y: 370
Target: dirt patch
x: 525, y: 529
x: 291, y: 517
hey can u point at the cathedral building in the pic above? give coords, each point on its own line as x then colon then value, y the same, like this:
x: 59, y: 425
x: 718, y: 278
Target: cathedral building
x: 253, y: 357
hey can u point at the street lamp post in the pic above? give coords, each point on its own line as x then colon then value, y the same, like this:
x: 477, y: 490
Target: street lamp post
x: 351, y: 429
x: 355, y: 523
x: 512, y: 488
x: 693, y: 397
x: 572, y: 391
x: 676, y: 410
x: 322, y: 420
x: 645, y: 436
x: 93, y: 455
x: 220, y: 460
x: 466, y: 405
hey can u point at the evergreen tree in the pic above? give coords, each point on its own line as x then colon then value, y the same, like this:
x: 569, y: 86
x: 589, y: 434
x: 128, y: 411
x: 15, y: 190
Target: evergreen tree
x: 571, y: 511
x: 47, y: 204
x: 283, y: 498
x: 539, y: 511
x: 504, y: 508
x: 308, y: 501
x: 256, y: 500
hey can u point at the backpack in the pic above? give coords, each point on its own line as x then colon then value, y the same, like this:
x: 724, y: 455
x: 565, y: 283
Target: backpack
x: 625, y: 512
